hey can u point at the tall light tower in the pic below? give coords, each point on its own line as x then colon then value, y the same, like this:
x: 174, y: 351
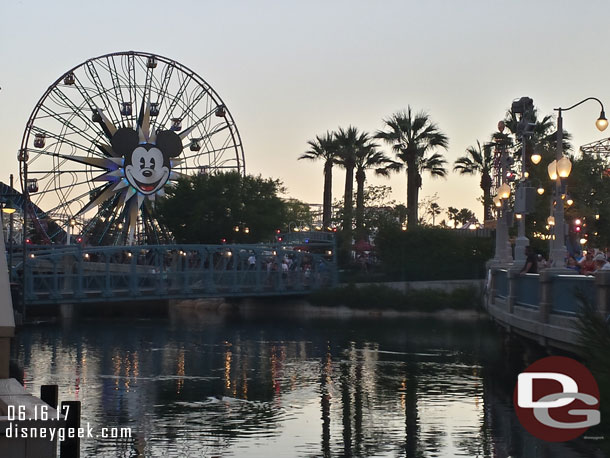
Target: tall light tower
x: 524, y: 110
x: 503, y: 249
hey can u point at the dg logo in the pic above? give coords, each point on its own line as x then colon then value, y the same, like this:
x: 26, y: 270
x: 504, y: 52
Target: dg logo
x: 557, y: 399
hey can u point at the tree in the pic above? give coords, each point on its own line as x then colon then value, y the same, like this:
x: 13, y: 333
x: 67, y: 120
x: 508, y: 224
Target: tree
x: 207, y: 208
x: 589, y: 188
x: 324, y: 148
x: 543, y: 136
x: 465, y: 216
x: 349, y: 142
x: 478, y: 161
x: 412, y: 137
x: 427, y: 206
x: 368, y: 157
x: 295, y: 211
x: 452, y: 213
x: 434, y: 210
x: 379, y: 210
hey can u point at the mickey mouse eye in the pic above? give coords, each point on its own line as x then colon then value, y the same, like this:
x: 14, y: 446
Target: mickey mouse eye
x: 152, y: 162
x: 142, y: 163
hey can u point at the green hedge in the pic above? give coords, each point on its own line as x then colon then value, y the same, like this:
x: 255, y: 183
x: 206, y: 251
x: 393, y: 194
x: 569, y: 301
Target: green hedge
x: 432, y: 254
x: 383, y: 297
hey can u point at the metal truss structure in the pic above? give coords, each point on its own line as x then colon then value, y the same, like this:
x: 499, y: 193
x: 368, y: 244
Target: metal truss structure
x: 597, y: 147
x: 71, y: 166
x: 76, y: 274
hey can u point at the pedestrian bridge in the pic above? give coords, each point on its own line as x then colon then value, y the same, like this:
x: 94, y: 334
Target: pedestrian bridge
x: 545, y: 307
x: 75, y: 274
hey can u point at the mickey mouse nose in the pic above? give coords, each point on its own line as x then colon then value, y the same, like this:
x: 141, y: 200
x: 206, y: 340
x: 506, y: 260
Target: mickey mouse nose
x: 147, y: 173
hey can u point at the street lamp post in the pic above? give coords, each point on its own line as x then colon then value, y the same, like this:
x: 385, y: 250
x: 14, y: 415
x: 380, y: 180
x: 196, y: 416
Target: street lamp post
x: 524, y: 107
x: 503, y: 249
x: 563, y: 167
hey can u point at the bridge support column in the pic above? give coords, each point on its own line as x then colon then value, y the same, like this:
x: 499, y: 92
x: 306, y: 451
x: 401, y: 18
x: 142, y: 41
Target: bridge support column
x: 491, y: 286
x: 602, y: 288
x: 66, y: 311
x: 513, y: 279
x: 546, y: 295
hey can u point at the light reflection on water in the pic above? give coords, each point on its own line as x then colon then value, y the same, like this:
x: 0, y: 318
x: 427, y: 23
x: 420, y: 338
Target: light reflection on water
x: 306, y: 388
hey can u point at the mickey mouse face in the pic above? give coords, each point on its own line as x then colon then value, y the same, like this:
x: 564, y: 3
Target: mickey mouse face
x: 147, y: 165
x: 147, y: 172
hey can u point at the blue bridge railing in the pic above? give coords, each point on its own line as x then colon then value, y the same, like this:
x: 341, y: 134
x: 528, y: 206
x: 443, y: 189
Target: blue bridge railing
x: 528, y: 291
x: 566, y: 295
x: 73, y: 273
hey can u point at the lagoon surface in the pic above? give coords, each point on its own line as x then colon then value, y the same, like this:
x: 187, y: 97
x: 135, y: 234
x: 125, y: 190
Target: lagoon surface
x: 195, y: 385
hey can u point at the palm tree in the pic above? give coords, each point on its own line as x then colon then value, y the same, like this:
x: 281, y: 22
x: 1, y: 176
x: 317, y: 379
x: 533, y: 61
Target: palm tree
x: 478, y: 161
x: 452, y: 214
x: 324, y: 148
x: 544, y: 135
x: 368, y: 157
x: 412, y: 137
x: 434, y: 165
x: 349, y: 142
x: 434, y: 210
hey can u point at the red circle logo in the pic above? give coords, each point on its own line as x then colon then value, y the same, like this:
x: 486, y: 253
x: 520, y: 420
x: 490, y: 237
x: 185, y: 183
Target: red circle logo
x: 556, y: 399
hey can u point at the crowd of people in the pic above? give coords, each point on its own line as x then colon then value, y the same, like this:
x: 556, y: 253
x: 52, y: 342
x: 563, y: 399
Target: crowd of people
x: 587, y: 263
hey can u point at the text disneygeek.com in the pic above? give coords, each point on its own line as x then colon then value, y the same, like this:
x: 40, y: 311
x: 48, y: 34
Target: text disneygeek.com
x: 19, y: 431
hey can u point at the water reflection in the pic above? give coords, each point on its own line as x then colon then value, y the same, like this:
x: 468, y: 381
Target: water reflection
x: 409, y: 388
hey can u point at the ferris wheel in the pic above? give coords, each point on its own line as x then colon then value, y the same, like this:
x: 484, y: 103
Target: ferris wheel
x: 107, y: 138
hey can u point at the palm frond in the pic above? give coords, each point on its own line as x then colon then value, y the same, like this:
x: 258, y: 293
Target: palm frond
x: 434, y: 165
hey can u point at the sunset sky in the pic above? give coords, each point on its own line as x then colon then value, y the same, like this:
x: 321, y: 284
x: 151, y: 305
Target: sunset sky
x: 290, y: 70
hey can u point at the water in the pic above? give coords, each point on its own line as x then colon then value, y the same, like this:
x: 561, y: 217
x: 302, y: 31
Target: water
x: 191, y: 387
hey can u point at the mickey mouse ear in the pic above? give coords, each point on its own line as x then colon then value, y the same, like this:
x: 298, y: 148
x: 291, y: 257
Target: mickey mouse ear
x: 124, y: 141
x: 169, y: 143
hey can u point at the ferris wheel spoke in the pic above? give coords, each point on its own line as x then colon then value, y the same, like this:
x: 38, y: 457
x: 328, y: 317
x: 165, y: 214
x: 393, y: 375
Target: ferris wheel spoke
x: 128, y: 68
x: 207, y: 137
x: 209, y: 152
x: 190, y: 106
x: 174, y: 102
x: 196, y: 124
x: 62, y: 139
x: 144, y: 114
x: 75, y: 109
x: 131, y: 77
x: 67, y: 124
x: 163, y: 89
x: 54, y: 187
x: 58, y: 172
x: 117, y: 86
x: 66, y: 204
x: 93, y: 95
x: 101, y: 90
